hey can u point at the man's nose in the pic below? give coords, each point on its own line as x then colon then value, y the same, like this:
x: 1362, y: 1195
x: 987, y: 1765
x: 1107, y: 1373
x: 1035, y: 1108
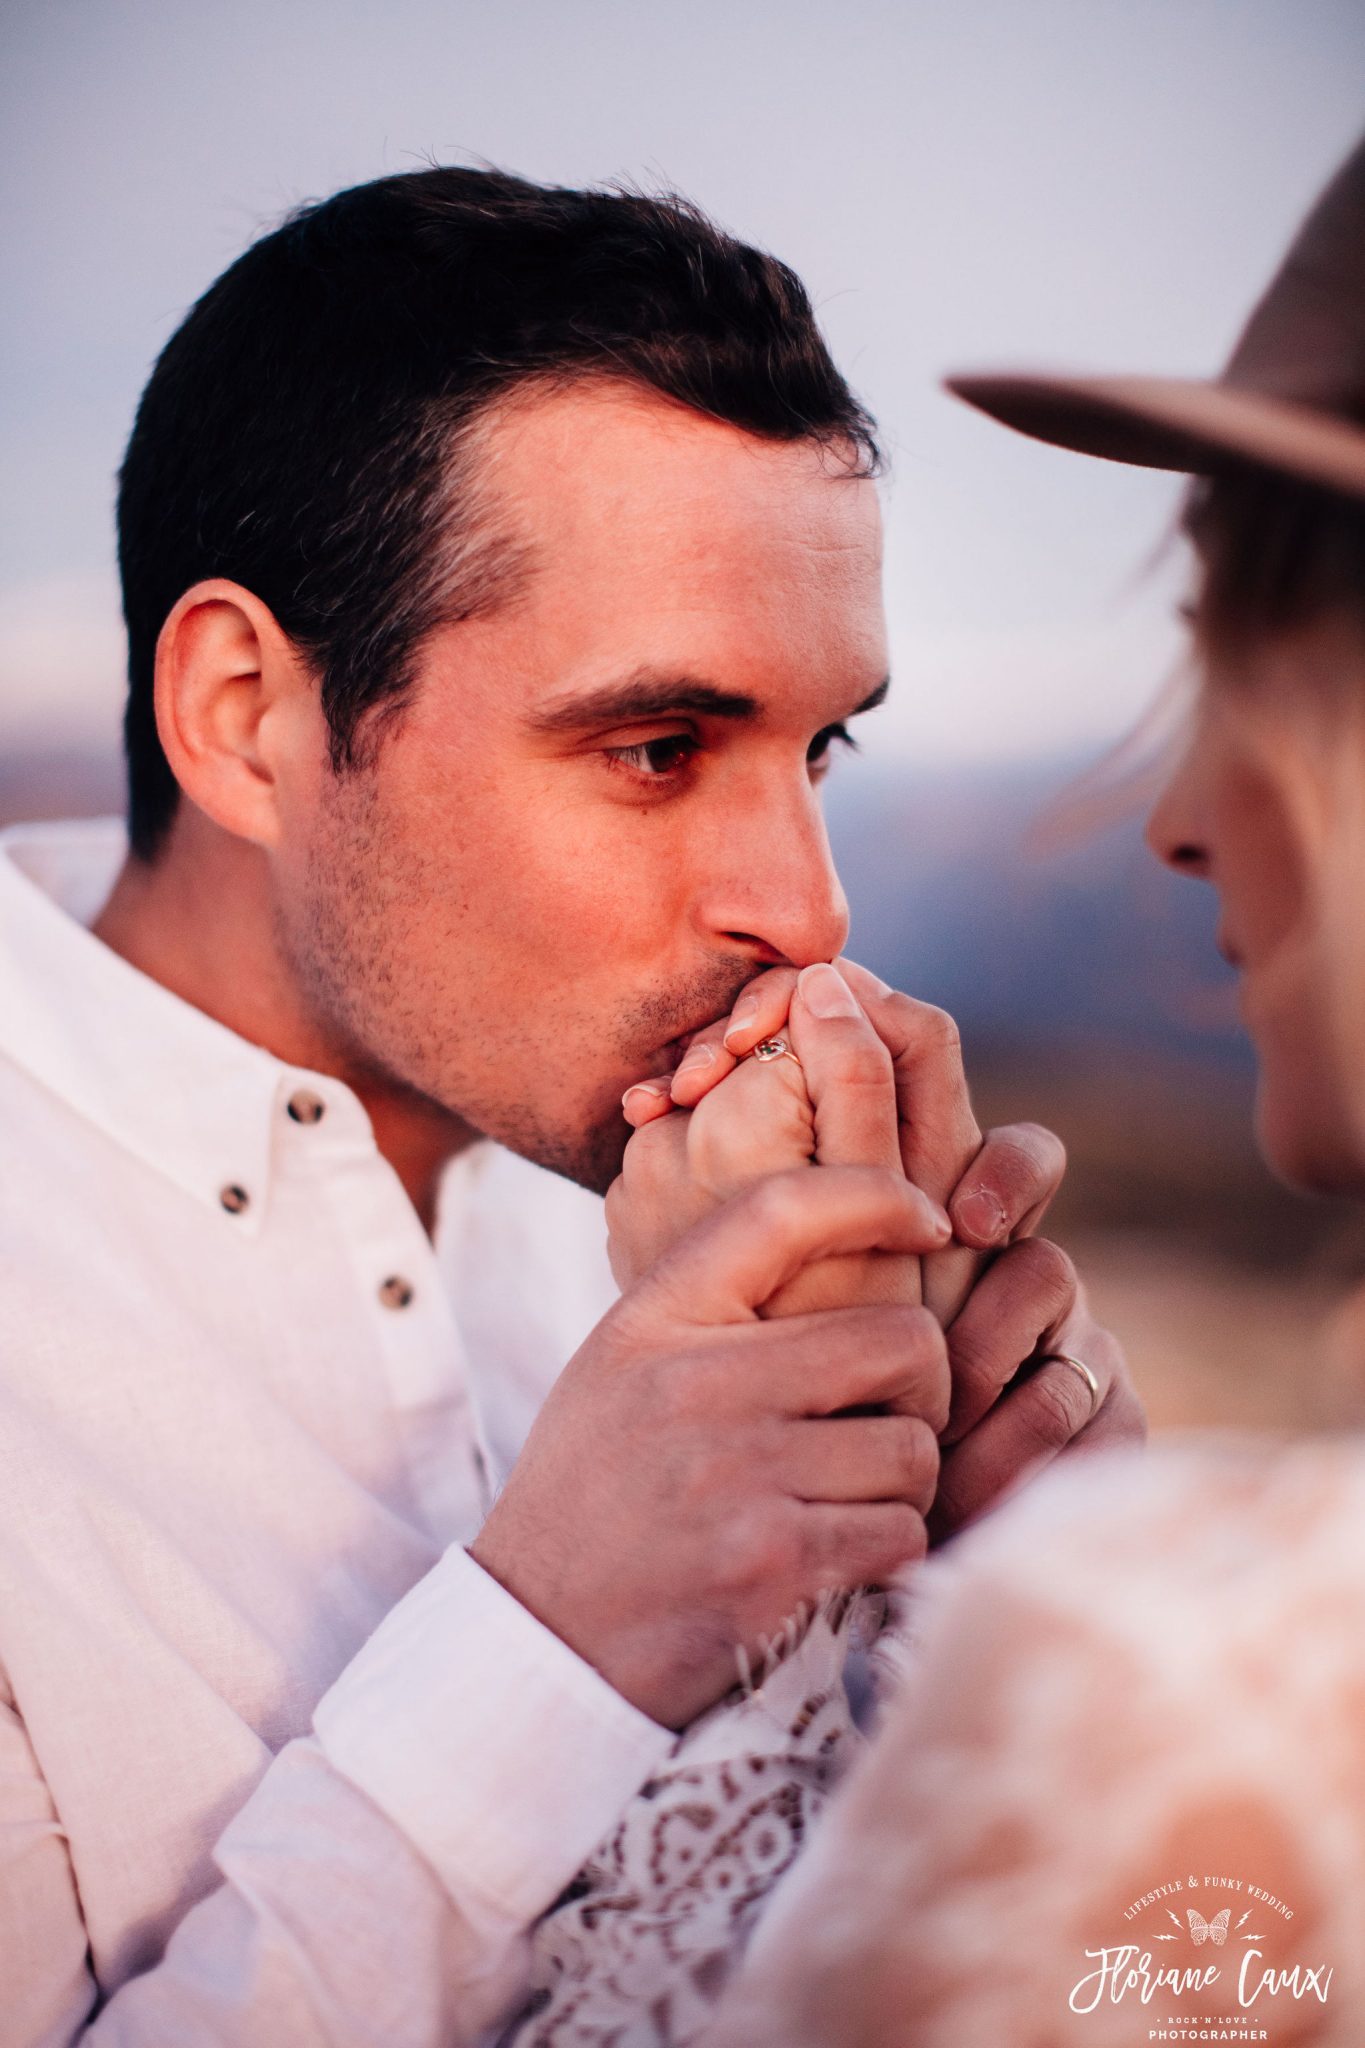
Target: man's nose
x: 775, y: 890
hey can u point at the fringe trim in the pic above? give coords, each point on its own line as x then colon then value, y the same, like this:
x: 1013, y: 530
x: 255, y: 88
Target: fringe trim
x: 833, y: 1608
x: 891, y: 1658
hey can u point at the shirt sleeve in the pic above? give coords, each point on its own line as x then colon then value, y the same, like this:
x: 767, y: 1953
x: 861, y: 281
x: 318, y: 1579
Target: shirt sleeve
x: 378, y: 1881
x: 535, y: 1752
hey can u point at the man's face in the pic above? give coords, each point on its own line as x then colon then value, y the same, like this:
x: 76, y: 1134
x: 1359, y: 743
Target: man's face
x: 598, y: 815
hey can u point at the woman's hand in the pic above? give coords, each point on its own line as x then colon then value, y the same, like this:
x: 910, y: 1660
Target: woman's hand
x: 996, y: 1186
x: 836, y: 1107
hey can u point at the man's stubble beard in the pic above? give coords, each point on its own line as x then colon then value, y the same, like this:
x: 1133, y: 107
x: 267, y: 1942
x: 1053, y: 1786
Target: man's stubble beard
x: 341, y: 935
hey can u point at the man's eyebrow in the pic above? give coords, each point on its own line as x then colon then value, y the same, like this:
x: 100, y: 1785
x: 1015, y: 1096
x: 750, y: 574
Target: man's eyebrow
x: 655, y: 696
x: 643, y: 696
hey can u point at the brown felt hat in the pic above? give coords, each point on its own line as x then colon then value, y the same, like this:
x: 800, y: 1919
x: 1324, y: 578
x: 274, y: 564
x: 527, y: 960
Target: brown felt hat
x: 1292, y: 397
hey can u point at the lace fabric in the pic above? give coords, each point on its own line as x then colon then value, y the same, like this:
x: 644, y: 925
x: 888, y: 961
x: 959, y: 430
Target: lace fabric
x: 638, y: 1949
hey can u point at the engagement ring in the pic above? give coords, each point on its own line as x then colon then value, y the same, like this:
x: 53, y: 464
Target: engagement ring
x: 774, y: 1049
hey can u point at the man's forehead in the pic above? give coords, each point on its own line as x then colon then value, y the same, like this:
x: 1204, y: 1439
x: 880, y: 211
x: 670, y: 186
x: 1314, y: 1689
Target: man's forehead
x: 604, y: 453
x: 661, y: 546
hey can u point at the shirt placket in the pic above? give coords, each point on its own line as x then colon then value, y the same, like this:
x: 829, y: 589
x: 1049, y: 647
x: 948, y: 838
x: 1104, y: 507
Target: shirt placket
x: 402, y: 1293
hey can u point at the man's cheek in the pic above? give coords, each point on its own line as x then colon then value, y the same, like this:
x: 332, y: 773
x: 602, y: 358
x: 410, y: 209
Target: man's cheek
x: 584, y: 906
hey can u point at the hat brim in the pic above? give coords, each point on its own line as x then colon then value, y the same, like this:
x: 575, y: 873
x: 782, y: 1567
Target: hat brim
x: 1175, y: 423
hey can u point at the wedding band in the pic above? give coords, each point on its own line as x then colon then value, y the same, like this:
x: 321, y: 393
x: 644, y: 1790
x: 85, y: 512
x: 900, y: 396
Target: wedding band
x: 773, y: 1049
x: 1078, y: 1365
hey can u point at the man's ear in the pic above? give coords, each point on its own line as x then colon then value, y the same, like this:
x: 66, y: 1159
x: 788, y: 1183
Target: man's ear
x: 237, y: 710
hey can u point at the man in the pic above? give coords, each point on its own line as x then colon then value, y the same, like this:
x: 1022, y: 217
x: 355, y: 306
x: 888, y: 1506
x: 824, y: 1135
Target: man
x: 500, y: 569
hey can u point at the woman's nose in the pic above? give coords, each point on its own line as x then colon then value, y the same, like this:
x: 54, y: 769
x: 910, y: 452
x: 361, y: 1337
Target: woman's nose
x: 1174, y: 832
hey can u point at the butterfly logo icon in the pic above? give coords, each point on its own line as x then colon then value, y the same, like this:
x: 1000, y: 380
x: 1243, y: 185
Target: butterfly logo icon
x: 1202, y: 1930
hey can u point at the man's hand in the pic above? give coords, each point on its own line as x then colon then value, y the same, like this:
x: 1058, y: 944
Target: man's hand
x: 690, y: 1481
x: 1002, y: 1311
x: 1006, y: 1422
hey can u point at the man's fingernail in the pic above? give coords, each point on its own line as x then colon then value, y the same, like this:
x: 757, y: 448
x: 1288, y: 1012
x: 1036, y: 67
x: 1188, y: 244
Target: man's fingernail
x: 825, y: 993
x: 743, y: 1014
x: 882, y: 988
x: 700, y: 1055
x: 980, y: 1215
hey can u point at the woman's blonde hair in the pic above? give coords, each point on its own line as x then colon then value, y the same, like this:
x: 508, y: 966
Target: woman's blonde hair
x: 1274, y: 554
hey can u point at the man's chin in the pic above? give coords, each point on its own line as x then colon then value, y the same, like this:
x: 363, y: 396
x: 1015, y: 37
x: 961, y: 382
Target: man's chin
x: 592, y: 1157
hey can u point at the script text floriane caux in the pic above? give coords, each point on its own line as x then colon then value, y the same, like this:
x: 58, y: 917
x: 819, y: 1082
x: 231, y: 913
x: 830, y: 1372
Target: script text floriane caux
x: 1127, y: 1969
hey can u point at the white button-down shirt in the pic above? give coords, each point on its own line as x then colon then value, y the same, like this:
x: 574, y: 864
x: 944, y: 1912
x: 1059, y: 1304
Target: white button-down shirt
x: 278, y: 1763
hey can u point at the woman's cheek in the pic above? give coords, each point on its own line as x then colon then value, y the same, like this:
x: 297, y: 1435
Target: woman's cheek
x: 1264, y: 860
x: 1297, y: 922
x: 1341, y: 981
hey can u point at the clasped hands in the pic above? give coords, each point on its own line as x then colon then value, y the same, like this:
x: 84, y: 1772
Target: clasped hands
x: 811, y: 1374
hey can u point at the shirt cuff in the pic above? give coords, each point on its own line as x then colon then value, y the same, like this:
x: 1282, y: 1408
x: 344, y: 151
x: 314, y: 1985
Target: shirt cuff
x: 502, y: 1755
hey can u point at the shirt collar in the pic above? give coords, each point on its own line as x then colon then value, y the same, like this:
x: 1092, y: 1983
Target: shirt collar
x: 161, y: 1078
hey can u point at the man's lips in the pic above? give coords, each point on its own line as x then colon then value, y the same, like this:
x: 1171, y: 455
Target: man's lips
x: 665, y: 1056
x: 668, y: 1055
x: 676, y: 1047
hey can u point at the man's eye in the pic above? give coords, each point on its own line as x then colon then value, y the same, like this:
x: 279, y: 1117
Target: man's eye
x: 655, y: 759
x: 817, y: 753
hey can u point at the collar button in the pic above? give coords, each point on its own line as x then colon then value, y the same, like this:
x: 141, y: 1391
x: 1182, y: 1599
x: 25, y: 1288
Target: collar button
x: 233, y: 1198
x: 396, y: 1292
x: 307, y: 1108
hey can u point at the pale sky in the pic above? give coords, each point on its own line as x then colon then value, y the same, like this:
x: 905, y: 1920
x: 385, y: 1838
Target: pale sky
x: 1095, y: 183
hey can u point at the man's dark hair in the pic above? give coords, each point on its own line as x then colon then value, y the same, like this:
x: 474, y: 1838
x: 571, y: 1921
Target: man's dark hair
x: 306, y: 431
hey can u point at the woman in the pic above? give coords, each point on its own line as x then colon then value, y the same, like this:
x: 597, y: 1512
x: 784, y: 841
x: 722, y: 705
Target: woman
x: 1122, y: 1797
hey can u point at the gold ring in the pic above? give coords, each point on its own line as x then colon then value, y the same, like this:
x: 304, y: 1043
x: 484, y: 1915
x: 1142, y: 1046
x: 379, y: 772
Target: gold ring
x: 1078, y: 1365
x: 773, y: 1049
